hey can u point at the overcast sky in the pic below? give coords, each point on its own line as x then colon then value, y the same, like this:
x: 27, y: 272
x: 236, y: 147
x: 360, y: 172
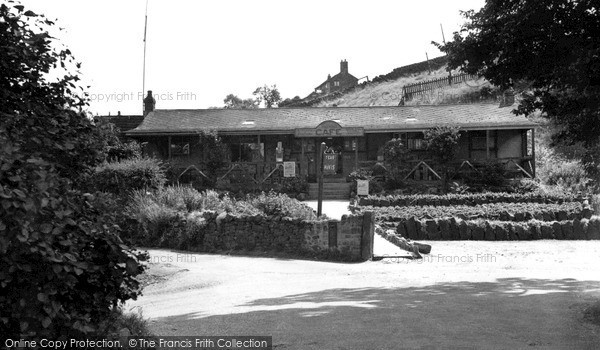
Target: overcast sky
x: 200, y: 51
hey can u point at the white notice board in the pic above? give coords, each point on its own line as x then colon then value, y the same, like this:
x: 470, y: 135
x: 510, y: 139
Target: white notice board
x: 362, y: 187
x: 289, y: 169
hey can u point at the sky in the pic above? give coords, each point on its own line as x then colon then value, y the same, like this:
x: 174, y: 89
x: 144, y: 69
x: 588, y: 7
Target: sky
x: 197, y: 52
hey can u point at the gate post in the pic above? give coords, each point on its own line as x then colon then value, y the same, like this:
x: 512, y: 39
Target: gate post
x: 368, y: 233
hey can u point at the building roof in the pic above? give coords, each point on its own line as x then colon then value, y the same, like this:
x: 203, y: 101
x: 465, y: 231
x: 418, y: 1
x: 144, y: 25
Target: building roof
x: 338, y: 77
x: 372, y: 119
x: 125, y: 122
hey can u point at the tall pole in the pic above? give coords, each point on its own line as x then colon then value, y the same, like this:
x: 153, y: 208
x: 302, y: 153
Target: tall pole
x: 428, y: 66
x: 320, y: 179
x: 144, y: 65
x: 443, y: 38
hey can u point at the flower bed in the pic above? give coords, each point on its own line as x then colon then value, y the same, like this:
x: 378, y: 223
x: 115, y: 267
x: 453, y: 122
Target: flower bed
x: 470, y: 199
x: 494, y: 211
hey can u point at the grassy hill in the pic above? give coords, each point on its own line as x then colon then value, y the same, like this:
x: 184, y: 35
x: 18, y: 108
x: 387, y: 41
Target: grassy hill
x: 386, y: 90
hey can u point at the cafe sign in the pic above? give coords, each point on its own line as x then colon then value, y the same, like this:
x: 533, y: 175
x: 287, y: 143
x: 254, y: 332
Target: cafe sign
x: 329, y: 128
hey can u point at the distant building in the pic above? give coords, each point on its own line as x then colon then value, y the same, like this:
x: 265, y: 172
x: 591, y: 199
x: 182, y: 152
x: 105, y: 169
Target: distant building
x: 338, y: 82
x: 124, y: 123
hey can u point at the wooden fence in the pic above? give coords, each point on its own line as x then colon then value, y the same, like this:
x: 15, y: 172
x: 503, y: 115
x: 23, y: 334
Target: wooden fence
x: 411, y: 90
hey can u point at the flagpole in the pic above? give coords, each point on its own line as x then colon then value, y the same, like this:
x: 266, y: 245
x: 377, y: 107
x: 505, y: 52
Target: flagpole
x: 144, y: 65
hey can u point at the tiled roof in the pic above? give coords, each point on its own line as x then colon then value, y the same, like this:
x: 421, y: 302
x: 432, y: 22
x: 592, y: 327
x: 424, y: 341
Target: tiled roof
x: 336, y: 77
x: 125, y: 122
x: 372, y: 119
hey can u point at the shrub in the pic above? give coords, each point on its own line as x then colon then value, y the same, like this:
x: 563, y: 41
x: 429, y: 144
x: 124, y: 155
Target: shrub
x: 281, y: 205
x: 569, y: 175
x: 128, y: 175
x: 63, y: 266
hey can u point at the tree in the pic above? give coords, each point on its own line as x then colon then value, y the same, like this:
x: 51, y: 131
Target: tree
x: 441, y: 142
x: 269, y: 95
x: 232, y: 101
x: 290, y: 102
x: 548, y: 49
x: 63, y: 265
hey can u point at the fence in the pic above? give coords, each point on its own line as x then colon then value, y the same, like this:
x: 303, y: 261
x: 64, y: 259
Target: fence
x: 408, y: 91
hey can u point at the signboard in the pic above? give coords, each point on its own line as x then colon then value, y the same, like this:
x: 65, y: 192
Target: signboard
x: 279, y: 152
x: 289, y: 169
x: 362, y: 187
x: 329, y: 128
x: 330, y: 161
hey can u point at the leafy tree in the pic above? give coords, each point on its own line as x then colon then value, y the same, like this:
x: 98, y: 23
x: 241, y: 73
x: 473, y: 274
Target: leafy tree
x: 269, y: 95
x: 550, y: 50
x: 441, y: 142
x: 232, y: 101
x: 62, y: 263
x: 289, y: 102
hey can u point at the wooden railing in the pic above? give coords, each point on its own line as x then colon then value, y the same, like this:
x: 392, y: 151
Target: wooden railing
x: 429, y: 170
x: 410, y: 90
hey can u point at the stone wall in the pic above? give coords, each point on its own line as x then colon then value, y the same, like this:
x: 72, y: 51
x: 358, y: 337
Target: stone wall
x: 457, y: 229
x: 350, y: 238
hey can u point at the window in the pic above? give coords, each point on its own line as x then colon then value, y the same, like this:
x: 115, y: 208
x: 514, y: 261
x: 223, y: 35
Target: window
x: 336, y: 83
x: 180, y: 146
x: 247, y: 152
x: 477, y: 144
x: 412, y: 140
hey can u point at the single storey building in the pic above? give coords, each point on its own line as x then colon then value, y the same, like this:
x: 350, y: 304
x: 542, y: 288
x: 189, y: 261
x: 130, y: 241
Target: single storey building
x: 260, y: 140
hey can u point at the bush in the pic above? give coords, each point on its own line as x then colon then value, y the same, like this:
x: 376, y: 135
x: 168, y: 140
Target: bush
x: 281, y: 205
x: 470, y: 198
x: 125, y: 176
x: 570, y: 175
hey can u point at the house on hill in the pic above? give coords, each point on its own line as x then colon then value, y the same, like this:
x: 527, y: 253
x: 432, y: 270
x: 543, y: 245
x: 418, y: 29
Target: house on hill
x: 338, y: 82
x: 260, y: 141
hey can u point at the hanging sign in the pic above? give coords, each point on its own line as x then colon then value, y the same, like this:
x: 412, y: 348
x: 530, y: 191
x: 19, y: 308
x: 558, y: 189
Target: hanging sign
x: 330, y: 161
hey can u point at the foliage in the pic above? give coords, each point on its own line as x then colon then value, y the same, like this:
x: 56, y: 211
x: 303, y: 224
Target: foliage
x: 268, y: 94
x: 281, y: 205
x: 489, y: 176
x: 232, y: 101
x: 548, y: 49
x: 290, y: 102
x: 294, y: 186
x: 127, y: 175
x: 469, y: 199
x: 441, y: 141
x: 394, y: 152
x: 114, y: 148
x: 62, y: 263
x: 491, y: 211
x: 215, y: 150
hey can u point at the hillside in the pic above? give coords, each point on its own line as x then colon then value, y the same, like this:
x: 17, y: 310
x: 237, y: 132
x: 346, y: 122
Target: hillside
x: 387, y: 90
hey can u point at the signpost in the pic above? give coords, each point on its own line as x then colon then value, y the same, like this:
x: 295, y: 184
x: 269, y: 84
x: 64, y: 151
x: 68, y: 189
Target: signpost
x: 289, y: 169
x: 320, y: 179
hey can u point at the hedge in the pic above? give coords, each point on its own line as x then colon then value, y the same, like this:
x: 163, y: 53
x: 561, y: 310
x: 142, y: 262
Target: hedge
x: 128, y: 175
x: 466, y: 199
x: 493, y: 211
x: 457, y: 229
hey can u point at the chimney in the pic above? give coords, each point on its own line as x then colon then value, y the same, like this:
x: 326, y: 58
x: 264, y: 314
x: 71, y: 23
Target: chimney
x: 344, y: 66
x: 149, y: 103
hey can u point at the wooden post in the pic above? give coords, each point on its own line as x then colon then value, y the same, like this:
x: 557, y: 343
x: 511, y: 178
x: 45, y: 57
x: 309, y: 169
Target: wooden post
x: 533, y: 152
x: 368, y: 232
x: 320, y: 179
x: 356, y: 153
x: 303, y: 163
x: 169, y: 147
x: 487, y: 144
